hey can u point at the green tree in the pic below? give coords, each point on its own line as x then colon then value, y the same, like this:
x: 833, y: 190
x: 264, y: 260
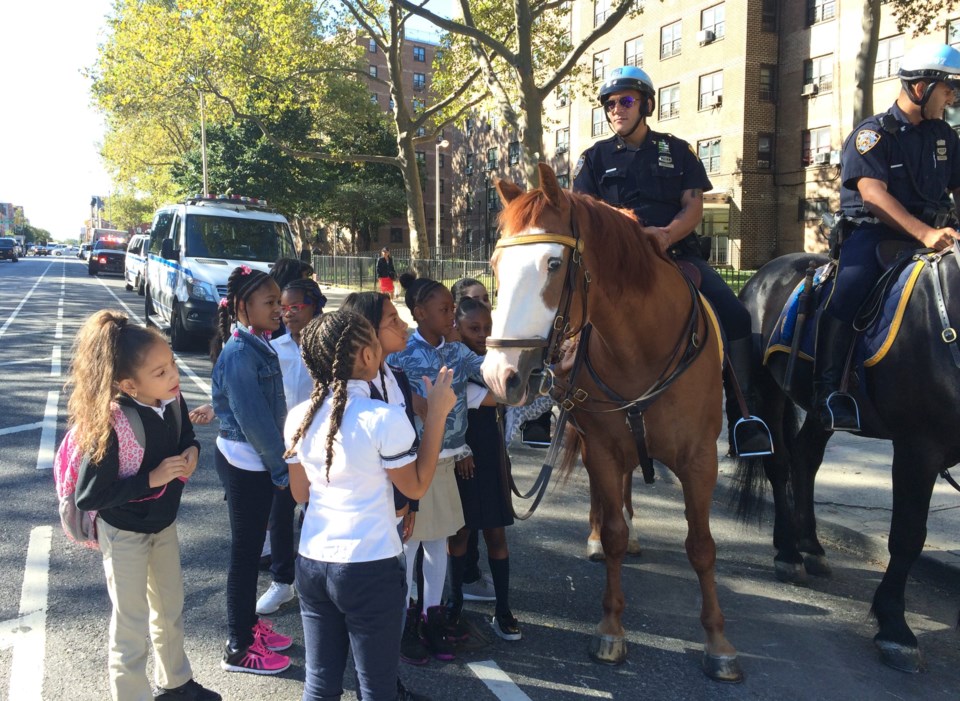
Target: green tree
x: 126, y: 210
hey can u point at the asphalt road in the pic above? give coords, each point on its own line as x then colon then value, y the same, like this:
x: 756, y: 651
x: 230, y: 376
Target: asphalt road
x: 811, y: 643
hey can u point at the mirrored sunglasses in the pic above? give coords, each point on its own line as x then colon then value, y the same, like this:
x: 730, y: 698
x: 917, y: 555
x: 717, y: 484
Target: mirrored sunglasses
x: 626, y: 102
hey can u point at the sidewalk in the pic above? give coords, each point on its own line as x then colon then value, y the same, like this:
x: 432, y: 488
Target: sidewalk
x: 853, y: 492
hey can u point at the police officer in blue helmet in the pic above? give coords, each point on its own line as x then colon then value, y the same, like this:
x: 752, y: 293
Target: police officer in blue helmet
x: 662, y: 180
x: 898, y: 170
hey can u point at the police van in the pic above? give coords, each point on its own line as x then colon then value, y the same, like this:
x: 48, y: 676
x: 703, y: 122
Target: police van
x: 193, y: 248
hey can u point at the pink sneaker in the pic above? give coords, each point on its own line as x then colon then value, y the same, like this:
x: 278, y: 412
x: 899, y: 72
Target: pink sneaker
x: 272, y: 640
x: 256, y: 659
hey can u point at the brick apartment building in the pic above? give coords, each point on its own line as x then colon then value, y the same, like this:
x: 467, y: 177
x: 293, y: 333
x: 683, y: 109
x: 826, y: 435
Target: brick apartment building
x: 760, y: 88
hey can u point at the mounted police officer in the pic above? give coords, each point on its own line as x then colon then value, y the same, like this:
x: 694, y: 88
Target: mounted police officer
x: 662, y: 180
x: 898, y: 170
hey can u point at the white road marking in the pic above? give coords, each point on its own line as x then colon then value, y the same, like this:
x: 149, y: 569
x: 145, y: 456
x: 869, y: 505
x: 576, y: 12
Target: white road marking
x: 13, y: 314
x: 24, y: 361
x: 55, y: 362
x: 23, y: 427
x: 48, y: 436
x: 28, y: 632
x: 58, y: 334
x: 497, y: 681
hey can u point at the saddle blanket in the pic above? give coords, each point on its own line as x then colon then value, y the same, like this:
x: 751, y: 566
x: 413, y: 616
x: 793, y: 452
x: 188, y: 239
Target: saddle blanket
x: 875, y: 341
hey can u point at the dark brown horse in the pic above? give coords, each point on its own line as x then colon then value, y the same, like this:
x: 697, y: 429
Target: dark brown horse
x: 566, y: 255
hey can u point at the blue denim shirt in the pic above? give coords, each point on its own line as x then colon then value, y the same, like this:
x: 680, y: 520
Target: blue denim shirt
x: 248, y: 399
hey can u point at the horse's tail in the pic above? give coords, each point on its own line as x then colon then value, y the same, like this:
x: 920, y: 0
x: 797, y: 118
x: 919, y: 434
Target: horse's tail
x: 749, y: 488
x: 571, y: 451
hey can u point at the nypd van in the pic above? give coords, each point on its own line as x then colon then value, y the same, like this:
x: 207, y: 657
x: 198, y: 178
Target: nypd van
x: 193, y: 248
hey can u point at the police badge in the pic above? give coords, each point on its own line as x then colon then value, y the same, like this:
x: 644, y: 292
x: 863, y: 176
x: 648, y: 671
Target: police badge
x: 866, y: 140
x: 576, y: 169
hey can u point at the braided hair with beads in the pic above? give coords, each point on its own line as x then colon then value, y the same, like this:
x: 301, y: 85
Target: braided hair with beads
x: 241, y: 284
x: 330, y: 345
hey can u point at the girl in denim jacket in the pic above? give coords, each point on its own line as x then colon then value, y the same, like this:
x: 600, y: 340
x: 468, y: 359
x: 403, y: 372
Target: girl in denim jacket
x: 248, y: 399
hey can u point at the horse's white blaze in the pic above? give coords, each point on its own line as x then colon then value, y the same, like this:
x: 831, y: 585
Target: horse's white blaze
x: 521, y: 311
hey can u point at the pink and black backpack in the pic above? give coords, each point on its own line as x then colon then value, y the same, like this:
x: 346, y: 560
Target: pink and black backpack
x: 80, y: 526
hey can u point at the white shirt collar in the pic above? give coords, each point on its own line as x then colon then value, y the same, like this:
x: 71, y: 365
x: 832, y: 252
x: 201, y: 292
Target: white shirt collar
x: 164, y: 403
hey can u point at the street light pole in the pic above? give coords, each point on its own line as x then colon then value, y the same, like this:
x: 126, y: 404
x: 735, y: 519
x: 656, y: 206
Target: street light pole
x: 440, y: 145
x: 486, y: 216
x: 203, y: 143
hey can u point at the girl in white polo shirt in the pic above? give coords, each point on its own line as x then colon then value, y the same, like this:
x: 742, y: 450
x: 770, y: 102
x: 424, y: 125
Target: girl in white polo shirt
x: 352, y: 448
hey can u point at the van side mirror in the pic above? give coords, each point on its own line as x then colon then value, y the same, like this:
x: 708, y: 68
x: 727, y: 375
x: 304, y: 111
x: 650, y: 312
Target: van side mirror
x: 167, y: 251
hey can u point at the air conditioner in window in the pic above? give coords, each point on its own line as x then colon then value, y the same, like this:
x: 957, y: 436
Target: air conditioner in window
x: 713, y: 101
x: 809, y: 89
x: 835, y: 158
x: 561, y: 149
x: 705, y: 36
x: 821, y: 159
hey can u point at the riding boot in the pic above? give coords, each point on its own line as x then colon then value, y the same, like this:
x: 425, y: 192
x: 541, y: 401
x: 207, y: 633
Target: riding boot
x: 748, y: 437
x: 836, y: 410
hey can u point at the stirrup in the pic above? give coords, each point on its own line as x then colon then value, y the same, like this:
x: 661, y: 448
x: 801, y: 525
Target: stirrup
x: 846, y: 405
x: 754, y: 424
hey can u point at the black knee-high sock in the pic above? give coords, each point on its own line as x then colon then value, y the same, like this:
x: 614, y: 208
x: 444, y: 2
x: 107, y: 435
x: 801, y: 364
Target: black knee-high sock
x: 458, y: 563
x: 500, y: 572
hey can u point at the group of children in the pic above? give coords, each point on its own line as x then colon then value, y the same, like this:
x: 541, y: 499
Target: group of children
x: 394, y: 442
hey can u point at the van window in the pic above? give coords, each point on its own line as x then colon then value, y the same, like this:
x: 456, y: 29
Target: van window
x: 237, y: 239
x: 160, y: 229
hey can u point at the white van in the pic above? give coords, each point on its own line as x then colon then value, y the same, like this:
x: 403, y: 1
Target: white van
x: 193, y: 248
x: 133, y: 266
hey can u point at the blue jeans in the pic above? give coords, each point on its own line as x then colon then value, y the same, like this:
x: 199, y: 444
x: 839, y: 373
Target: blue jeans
x: 356, y: 606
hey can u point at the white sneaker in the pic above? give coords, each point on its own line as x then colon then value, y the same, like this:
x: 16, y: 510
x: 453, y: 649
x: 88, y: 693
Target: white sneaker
x: 481, y: 590
x: 276, y: 596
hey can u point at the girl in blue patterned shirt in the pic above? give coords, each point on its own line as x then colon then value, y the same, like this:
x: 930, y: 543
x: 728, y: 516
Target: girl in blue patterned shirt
x: 440, y: 512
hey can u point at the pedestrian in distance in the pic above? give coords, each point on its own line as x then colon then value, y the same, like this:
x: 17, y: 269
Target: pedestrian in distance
x: 249, y: 401
x: 386, y: 272
x: 118, y: 363
x: 348, y: 449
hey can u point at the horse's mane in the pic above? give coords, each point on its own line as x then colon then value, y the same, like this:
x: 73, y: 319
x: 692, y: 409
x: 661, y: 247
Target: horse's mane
x: 613, y: 238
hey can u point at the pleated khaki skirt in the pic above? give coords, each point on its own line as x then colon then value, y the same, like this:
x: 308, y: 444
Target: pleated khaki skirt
x: 440, y: 513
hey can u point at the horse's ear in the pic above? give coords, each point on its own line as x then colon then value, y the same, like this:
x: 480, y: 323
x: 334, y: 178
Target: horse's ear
x: 507, y: 190
x: 549, y: 184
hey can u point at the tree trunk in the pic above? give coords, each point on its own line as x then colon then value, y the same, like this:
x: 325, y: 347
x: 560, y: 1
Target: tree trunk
x: 866, y: 61
x: 416, y: 219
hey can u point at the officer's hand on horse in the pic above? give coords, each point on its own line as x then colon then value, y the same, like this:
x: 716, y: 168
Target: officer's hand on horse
x: 661, y: 235
x: 938, y: 239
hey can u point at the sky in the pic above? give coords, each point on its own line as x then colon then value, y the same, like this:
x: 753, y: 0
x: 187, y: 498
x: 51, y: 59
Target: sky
x: 49, y: 152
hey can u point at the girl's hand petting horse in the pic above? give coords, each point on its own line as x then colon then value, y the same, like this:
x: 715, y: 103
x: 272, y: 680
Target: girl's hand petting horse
x: 440, y: 397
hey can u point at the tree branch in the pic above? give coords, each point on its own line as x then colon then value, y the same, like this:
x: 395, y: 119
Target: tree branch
x: 468, y: 30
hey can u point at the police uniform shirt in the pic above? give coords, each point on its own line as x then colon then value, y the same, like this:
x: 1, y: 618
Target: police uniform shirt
x: 650, y: 179
x: 929, y: 150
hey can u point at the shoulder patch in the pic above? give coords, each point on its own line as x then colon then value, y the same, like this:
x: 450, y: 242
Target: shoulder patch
x: 577, y: 168
x: 866, y: 140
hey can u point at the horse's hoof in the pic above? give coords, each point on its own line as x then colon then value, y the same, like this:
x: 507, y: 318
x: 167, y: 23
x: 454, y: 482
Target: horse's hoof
x: 722, y: 668
x: 608, y: 649
x: 595, y: 551
x: 817, y: 565
x: 901, y: 657
x: 790, y: 572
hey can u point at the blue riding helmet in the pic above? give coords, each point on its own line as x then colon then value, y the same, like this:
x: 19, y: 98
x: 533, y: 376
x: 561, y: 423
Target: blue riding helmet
x: 626, y: 78
x: 932, y: 64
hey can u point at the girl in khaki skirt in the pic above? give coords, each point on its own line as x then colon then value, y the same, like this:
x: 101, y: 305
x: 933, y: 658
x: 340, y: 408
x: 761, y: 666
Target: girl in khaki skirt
x: 440, y: 513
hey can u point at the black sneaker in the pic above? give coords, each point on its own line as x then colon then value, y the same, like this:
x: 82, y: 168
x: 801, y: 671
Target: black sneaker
x: 404, y: 694
x: 506, y: 626
x: 454, y: 628
x: 433, y: 635
x: 191, y: 691
x: 412, y: 650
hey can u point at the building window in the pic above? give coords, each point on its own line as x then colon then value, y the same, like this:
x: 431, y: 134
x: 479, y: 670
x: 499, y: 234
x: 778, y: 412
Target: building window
x: 563, y: 94
x: 373, y: 71
x: 419, y: 81
x: 819, y: 71
x: 600, y: 61
x: 443, y: 208
x: 468, y: 169
x: 421, y: 158
x: 513, y: 153
x: 469, y: 198
x: 392, y: 104
x: 708, y: 151
x: 768, y: 17
x: 767, y: 89
x: 712, y: 20
x: 716, y: 225
x: 375, y: 99
x: 443, y: 161
x: 812, y: 209
x: 421, y: 131
x: 563, y: 180
x: 468, y: 127
x: 820, y: 10
x: 711, y: 90
x: 601, y: 10
x: 953, y: 33
x: 633, y: 52
x: 442, y: 186
x: 889, y: 53
x: 491, y: 158
x: 563, y: 140
x: 396, y: 235
x: 372, y: 47
x: 418, y: 104
x: 599, y: 122
x: 670, y: 40
x: 815, y: 141
x: 765, y: 151
x: 670, y: 102
x: 419, y: 54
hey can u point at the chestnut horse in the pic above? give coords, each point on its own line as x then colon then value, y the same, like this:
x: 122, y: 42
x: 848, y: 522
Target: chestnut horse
x: 565, y: 254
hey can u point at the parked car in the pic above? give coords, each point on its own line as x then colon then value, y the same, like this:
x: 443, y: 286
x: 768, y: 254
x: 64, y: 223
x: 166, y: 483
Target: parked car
x: 59, y: 249
x: 133, y: 265
x: 84, y: 251
x: 9, y: 249
x: 42, y: 249
x: 107, y: 256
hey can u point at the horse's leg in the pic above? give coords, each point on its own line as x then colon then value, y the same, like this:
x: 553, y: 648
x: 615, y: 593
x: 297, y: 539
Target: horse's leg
x: 594, y: 546
x: 809, y: 447
x: 629, y: 515
x: 719, y: 656
x: 609, y: 645
x: 914, y: 474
